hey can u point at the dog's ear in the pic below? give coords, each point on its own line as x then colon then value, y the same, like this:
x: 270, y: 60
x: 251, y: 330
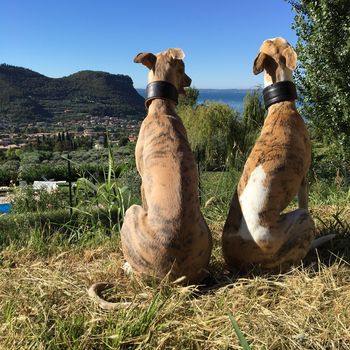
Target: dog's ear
x: 291, y: 57
x: 147, y: 59
x: 176, y: 54
x: 258, y: 65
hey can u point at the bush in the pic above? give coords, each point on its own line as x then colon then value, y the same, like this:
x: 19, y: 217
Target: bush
x: 212, y: 130
x: 9, y: 172
x: 29, y: 200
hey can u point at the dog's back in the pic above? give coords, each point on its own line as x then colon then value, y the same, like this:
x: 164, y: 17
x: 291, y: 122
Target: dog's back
x: 168, y: 233
x: 166, y: 162
x: 256, y: 231
x: 283, y: 155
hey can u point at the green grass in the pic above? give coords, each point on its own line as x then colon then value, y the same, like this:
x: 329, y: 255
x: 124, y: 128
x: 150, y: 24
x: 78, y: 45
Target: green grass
x: 243, y: 342
x: 46, y: 268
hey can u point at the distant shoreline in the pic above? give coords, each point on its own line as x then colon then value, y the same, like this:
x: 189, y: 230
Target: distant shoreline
x: 211, y: 89
x: 232, y: 97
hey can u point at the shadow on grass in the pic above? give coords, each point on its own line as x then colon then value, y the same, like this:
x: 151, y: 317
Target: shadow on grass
x: 336, y: 251
x: 339, y: 248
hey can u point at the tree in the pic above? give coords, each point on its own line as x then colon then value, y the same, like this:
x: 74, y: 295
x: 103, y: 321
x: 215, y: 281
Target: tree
x: 11, y: 154
x: 253, y: 117
x: 323, y: 29
x: 123, y: 141
x: 105, y: 140
x: 253, y: 111
x: 212, y: 130
x: 190, y: 99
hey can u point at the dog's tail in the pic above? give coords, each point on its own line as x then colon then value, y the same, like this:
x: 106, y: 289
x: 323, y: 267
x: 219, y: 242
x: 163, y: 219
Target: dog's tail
x: 95, y: 291
x: 321, y: 240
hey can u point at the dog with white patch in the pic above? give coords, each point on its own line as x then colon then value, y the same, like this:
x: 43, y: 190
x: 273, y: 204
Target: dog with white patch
x: 256, y: 230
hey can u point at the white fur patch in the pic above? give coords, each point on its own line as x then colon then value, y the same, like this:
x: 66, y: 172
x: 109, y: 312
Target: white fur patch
x: 252, y: 201
x: 267, y: 81
x: 127, y: 269
x: 286, y: 75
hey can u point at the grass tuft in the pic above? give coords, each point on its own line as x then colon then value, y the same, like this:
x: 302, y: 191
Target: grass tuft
x: 239, y: 334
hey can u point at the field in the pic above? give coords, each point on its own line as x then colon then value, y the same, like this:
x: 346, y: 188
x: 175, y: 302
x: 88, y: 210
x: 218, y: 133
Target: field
x: 45, y: 273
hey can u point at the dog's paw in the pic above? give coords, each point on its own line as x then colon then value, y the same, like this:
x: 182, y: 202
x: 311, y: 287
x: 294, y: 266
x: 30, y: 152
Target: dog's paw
x: 127, y: 269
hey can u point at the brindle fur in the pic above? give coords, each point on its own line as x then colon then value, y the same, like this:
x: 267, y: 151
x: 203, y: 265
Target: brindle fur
x: 283, y: 150
x: 167, y: 234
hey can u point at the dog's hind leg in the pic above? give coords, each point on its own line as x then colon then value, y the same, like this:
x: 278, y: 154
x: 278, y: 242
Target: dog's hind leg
x: 143, y: 198
x: 303, y: 203
x: 285, y: 241
x: 135, y: 238
x: 297, y: 231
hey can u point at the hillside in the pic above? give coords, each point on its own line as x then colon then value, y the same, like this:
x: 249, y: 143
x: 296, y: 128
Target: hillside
x: 27, y: 96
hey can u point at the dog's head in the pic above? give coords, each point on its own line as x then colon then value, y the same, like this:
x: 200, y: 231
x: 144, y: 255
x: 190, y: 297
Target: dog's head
x: 277, y: 59
x: 167, y: 66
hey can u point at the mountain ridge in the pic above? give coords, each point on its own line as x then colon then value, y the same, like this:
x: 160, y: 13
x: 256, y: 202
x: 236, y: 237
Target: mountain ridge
x: 29, y: 96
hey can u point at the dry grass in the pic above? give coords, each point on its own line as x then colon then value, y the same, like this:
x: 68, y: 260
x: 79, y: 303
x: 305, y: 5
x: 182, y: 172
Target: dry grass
x: 44, y: 304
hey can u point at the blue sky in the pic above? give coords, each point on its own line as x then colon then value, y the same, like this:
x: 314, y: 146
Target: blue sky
x: 220, y: 38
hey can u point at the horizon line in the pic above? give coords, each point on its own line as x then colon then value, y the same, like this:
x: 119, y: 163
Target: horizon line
x: 212, y: 88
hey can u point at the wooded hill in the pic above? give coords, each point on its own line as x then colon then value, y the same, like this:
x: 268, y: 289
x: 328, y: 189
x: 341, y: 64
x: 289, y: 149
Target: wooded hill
x: 27, y: 96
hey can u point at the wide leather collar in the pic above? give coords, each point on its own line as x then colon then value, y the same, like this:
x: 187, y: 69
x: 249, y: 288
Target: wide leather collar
x: 279, y: 92
x: 161, y: 89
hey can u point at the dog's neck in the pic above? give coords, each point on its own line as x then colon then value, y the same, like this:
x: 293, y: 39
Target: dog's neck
x: 161, y: 106
x: 278, y: 75
x: 281, y: 108
x: 281, y: 91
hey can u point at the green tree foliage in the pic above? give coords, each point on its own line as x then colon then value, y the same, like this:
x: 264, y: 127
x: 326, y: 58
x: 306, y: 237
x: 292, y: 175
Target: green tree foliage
x: 220, y: 136
x: 123, y: 141
x: 323, y: 29
x: 9, y: 172
x: 190, y: 98
x: 253, y: 111
x: 34, y: 165
x: 212, y: 130
x: 61, y: 142
x: 252, y: 122
x: 13, y: 154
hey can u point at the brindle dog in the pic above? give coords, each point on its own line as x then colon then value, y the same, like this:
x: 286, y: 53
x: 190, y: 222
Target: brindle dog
x: 167, y: 235
x: 256, y: 231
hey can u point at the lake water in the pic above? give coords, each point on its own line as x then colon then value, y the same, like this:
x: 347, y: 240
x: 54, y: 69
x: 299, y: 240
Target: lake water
x: 232, y: 97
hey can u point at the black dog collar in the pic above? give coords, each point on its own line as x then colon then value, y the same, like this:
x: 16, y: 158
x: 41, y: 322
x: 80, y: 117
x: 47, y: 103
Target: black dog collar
x: 278, y: 92
x: 161, y: 89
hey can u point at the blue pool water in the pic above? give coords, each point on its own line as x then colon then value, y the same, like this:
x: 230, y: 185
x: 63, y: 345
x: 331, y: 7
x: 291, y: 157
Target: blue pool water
x: 5, y: 208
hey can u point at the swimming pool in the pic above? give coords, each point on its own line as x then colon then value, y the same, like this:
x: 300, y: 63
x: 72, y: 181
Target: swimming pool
x: 5, y: 208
